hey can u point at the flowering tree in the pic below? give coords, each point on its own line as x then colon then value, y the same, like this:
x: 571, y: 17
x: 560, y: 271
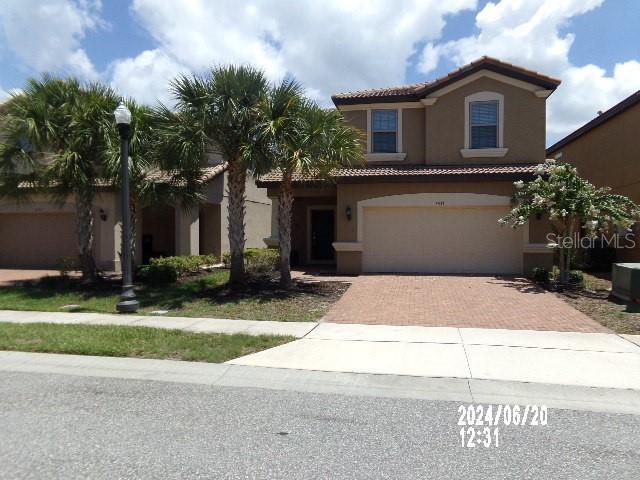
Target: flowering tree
x: 571, y: 204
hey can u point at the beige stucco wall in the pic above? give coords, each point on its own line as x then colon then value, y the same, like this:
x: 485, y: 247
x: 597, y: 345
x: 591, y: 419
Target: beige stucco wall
x: 435, y: 134
x: 609, y: 155
x: 41, y: 210
x: 413, y: 135
x: 257, y: 214
x: 524, y: 125
x: 357, y: 118
x: 210, y: 229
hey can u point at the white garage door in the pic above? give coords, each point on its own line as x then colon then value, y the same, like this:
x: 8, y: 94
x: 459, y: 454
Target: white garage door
x: 36, y: 239
x: 439, y: 240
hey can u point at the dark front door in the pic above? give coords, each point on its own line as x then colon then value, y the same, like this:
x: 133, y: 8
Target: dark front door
x: 322, y: 235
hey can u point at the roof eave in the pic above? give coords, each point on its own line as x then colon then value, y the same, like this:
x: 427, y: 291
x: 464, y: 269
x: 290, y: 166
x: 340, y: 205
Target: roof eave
x: 338, y: 101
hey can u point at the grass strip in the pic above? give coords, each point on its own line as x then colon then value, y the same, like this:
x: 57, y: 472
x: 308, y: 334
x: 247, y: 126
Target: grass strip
x: 139, y: 342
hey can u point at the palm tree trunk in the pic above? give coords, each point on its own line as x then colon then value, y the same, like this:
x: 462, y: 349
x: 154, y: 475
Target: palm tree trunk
x: 236, y: 177
x: 285, y: 207
x: 84, y: 226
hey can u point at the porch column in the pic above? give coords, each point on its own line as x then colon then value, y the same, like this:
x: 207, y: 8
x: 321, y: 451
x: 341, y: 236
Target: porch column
x: 272, y: 240
x: 187, y: 232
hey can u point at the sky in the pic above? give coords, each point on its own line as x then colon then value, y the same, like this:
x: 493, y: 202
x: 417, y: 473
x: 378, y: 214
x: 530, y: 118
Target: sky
x: 331, y: 46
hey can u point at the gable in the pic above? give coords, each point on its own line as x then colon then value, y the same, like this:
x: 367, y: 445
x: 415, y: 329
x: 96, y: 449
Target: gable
x: 484, y: 74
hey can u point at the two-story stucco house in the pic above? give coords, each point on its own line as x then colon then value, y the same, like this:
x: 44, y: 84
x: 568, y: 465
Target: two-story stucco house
x: 441, y: 159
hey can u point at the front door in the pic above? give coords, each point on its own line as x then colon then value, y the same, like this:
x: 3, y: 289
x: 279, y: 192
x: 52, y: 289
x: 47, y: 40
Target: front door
x: 322, y: 225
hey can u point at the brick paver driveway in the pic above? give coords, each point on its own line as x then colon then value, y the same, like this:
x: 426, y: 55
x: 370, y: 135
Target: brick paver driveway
x: 457, y: 301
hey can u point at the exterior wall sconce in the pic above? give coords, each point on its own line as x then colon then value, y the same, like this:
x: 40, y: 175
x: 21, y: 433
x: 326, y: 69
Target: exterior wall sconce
x: 103, y: 215
x: 348, y: 212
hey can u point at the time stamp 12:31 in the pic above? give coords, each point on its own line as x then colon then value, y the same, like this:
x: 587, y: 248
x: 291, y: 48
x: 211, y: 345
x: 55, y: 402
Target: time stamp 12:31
x: 481, y: 424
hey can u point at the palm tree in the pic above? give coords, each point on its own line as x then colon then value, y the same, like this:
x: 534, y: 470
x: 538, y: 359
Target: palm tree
x: 56, y: 134
x: 294, y: 136
x: 216, y: 113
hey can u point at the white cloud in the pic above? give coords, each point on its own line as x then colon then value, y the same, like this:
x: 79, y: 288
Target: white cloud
x: 330, y: 46
x: 528, y: 33
x: 146, y: 76
x: 47, y: 36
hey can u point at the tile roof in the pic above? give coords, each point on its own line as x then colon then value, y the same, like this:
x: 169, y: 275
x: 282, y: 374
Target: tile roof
x: 628, y: 102
x: 158, y: 176
x: 419, y: 90
x: 408, y: 172
x: 164, y: 176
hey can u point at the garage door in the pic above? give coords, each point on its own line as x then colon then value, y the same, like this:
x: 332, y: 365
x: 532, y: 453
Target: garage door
x: 36, y: 239
x: 439, y: 240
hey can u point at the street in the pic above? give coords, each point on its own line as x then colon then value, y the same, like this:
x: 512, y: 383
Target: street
x: 59, y: 426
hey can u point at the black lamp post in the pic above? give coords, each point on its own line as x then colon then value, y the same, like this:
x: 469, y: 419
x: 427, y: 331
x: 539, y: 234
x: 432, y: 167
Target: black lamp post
x: 128, y: 301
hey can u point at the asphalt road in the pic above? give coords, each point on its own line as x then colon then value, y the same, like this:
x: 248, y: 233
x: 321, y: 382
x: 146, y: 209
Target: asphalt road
x: 55, y: 426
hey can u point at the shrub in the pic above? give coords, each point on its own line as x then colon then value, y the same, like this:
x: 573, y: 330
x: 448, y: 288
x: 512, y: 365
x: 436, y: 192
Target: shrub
x: 65, y: 265
x: 576, y: 277
x: 187, y: 264
x: 540, y: 274
x: 156, y: 275
x: 257, y: 261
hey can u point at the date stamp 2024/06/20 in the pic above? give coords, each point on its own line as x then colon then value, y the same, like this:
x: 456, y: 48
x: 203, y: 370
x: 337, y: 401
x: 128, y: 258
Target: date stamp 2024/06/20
x: 480, y: 424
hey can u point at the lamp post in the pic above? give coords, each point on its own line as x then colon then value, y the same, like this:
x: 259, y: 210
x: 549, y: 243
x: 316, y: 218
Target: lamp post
x: 128, y: 301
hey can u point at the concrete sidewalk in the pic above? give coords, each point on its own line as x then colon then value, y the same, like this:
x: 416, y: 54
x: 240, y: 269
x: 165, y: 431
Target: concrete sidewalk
x: 189, y: 324
x: 563, y: 358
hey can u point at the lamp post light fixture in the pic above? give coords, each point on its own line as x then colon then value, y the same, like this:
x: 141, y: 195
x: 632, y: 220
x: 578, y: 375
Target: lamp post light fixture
x: 128, y: 301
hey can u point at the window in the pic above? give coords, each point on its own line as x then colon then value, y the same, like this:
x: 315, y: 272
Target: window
x: 483, y: 124
x: 384, y: 129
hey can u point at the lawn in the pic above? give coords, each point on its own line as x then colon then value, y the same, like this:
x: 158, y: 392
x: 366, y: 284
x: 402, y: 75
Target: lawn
x: 206, y: 295
x: 594, y: 300
x: 140, y: 342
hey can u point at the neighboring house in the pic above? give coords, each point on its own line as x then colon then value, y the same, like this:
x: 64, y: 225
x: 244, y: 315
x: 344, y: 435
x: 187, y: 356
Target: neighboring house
x: 35, y: 234
x: 606, y: 151
x: 441, y: 159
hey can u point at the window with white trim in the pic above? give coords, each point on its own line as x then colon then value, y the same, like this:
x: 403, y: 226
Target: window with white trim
x: 483, y: 124
x: 384, y: 131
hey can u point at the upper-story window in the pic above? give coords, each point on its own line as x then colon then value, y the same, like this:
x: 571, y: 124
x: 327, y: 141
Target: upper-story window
x: 484, y: 124
x: 384, y: 130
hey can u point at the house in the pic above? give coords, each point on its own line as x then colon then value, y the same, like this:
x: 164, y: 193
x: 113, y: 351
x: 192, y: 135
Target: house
x: 606, y: 151
x: 441, y: 159
x: 35, y: 234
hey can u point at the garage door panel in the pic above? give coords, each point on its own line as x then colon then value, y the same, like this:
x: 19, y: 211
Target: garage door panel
x: 36, y: 240
x: 439, y: 240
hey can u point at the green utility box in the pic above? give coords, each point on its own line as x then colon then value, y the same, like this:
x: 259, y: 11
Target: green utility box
x: 625, y: 279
